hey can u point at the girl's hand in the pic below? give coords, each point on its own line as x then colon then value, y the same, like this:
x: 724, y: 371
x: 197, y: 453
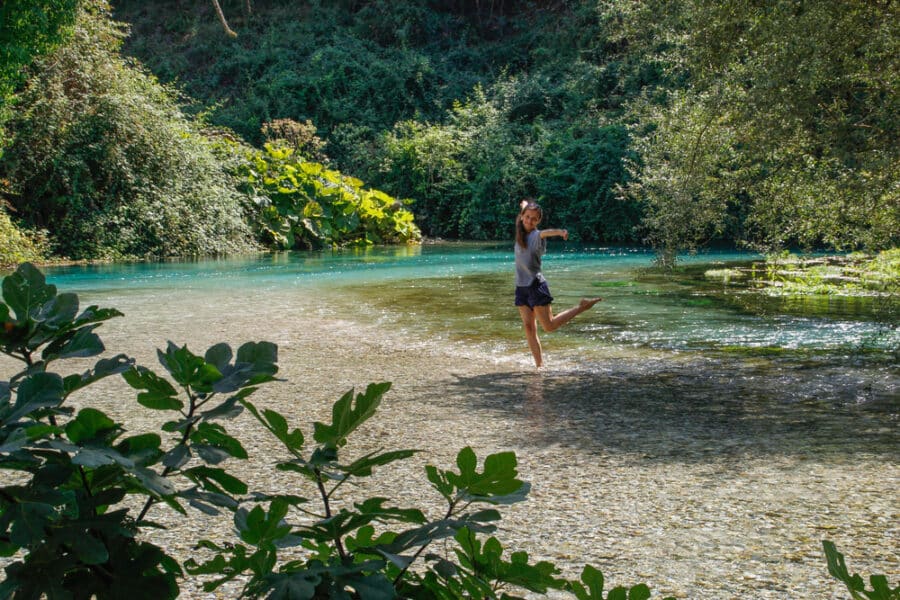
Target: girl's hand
x: 565, y: 234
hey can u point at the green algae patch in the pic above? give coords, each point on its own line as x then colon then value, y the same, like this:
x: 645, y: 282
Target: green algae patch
x: 613, y: 284
x: 725, y: 275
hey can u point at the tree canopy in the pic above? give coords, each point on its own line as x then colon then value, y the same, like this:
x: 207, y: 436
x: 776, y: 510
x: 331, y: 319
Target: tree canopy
x: 674, y: 123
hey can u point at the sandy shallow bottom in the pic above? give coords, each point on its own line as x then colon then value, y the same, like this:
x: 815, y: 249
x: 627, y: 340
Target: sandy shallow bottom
x: 666, y: 469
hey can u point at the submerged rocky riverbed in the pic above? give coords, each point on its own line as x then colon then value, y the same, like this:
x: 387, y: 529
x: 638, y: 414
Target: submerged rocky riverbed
x: 679, y: 471
x: 704, y: 452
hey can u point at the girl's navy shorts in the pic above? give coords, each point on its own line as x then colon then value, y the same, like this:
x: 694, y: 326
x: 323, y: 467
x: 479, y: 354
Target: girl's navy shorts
x: 536, y: 294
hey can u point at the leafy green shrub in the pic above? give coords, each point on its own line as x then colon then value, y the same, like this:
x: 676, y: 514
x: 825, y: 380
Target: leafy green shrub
x: 66, y: 510
x: 306, y: 205
x: 18, y: 246
x: 579, y: 175
x: 468, y: 174
x: 29, y: 28
x: 103, y: 159
x: 63, y: 510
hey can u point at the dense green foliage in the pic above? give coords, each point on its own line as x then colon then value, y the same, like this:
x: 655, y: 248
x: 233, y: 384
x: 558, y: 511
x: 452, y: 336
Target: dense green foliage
x: 18, y: 246
x: 771, y: 125
x: 463, y: 107
x: 102, y: 158
x: 303, y: 204
x: 29, y: 28
x: 785, y: 133
x: 674, y: 123
x: 67, y: 506
x: 469, y: 174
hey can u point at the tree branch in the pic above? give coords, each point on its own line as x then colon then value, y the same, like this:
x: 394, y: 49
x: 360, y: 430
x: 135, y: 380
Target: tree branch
x: 222, y: 20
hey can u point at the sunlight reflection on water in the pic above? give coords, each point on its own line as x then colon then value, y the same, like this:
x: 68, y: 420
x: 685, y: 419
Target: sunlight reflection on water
x: 672, y: 420
x: 459, y: 296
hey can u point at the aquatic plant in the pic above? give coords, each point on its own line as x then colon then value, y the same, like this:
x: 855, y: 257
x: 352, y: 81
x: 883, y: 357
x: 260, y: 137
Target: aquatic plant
x: 67, y: 507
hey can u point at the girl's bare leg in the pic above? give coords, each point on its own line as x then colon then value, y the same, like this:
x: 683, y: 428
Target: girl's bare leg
x: 550, y: 323
x: 531, y: 335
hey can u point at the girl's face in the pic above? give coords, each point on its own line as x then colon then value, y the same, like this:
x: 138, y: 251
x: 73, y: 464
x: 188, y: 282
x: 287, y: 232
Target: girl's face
x: 530, y: 219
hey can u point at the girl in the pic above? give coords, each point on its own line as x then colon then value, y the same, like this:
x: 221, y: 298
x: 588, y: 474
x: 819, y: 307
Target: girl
x: 532, y: 294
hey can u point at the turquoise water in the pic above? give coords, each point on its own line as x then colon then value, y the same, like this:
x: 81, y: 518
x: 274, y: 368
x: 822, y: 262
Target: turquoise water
x: 457, y: 298
x: 463, y: 292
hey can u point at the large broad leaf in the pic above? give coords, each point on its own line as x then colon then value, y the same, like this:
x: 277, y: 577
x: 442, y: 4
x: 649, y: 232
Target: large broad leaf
x: 254, y: 363
x: 188, y: 369
x: 347, y: 415
x: 278, y: 425
x: 80, y: 343
x: 143, y: 448
x: 257, y: 527
x: 258, y: 353
x: 207, y: 501
x: 293, y: 586
x: 496, y: 484
x: 372, y: 587
x: 40, y: 390
x: 29, y: 520
x: 591, y: 585
x: 176, y: 457
x: 153, y: 482
x: 89, y: 549
x: 58, y: 312
x: 229, y: 408
x: 104, y: 368
x: 423, y: 535
x: 26, y: 291
x: 217, y: 480
x: 375, y: 507
x: 94, y: 314
x: 362, y: 467
x: 159, y: 394
x: 90, y: 424
x: 219, y: 356
x: 97, y: 457
x: 214, y: 436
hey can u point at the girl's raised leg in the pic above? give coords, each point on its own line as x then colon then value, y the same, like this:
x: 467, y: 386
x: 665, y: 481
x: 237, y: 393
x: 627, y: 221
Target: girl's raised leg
x: 544, y: 314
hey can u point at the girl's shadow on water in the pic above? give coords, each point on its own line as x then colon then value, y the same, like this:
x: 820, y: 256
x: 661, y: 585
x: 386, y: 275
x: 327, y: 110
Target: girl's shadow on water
x: 693, y: 412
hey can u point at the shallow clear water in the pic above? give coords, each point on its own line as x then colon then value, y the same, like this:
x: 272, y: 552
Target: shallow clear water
x: 463, y: 293
x: 654, y: 331
x: 696, y: 437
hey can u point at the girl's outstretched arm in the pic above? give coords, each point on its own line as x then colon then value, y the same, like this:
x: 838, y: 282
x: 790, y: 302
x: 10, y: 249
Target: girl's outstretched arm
x: 563, y: 233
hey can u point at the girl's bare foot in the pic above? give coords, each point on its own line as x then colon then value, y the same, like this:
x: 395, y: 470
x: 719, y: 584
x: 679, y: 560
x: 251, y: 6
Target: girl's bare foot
x: 586, y: 303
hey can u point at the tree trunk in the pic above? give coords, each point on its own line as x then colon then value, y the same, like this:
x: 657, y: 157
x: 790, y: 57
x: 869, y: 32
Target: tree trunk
x: 222, y: 20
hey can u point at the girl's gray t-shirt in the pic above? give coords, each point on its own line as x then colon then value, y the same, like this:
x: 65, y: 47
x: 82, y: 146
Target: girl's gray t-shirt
x: 528, y: 260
